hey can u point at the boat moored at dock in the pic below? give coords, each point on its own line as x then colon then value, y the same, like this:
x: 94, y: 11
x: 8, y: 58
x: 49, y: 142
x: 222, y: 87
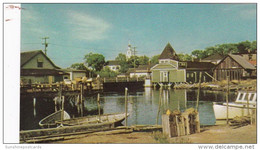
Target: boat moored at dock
x: 244, y: 105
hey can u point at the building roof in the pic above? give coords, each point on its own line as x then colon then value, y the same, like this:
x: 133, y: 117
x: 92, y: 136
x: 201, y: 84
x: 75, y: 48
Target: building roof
x: 41, y: 72
x: 214, y: 57
x: 112, y: 62
x: 27, y: 56
x: 169, y: 53
x: 72, y: 70
x: 241, y: 61
x: 141, y: 68
x: 190, y: 65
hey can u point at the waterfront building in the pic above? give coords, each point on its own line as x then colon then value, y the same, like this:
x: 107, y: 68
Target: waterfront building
x: 167, y: 71
x: 113, y: 65
x: 235, y: 66
x: 171, y: 70
x: 36, y: 67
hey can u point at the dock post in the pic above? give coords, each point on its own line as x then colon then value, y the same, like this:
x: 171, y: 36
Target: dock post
x: 159, y: 107
x: 34, y: 102
x: 227, y: 97
x: 198, y: 96
x: 126, y: 103
x: 98, y: 102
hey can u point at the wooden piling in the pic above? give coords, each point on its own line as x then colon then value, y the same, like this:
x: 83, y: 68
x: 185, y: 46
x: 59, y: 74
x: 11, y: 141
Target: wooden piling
x: 98, y: 103
x: 126, y: 103
x: 198, y: 95
x: 227, y: 97
x: 159, y: 107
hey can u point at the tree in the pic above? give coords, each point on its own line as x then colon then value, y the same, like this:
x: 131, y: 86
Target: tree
x: 95, y: 61
x: 143, y: 60
x: 133, y: 61
x: 78, y: 66
x: 121, y: 57
x: 106, y: 72
x: 184, y: 57
x: 124, y: 66
x: 244, y: 46
x: 155, y: 59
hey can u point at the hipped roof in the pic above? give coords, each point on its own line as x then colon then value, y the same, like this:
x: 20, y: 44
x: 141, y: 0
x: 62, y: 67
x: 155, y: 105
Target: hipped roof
x: 169, y: 53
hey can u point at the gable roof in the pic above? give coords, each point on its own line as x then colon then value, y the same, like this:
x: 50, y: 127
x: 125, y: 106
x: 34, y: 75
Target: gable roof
x: 169, y: 53
x: 214, y: 57
x: 27, y: 56
x: 242, y: 61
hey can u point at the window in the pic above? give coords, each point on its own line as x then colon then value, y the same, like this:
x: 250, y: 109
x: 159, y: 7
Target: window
x: 39, y: 63
x: 188, y: 75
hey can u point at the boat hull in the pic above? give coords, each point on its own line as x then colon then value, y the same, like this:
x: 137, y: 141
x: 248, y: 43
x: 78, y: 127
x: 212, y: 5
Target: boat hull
x: 220, y: 111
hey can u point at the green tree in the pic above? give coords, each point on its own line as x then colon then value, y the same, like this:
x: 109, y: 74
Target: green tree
x: 78, y: 66
x: 244, y: 46
x: 106, y: 72
x: 155, y: 59
x: 143, y: 60
x: 253, y: 47
x: 95, y: 61
x: 184, y: 57
x: 200, y: 54
x: 133, y: 61
x: 124, y: 66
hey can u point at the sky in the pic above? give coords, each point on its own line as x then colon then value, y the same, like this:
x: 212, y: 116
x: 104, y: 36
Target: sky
x: 75, y: 30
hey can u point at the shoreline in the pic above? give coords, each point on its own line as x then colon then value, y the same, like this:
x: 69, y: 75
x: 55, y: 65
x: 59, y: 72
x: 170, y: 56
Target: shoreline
x: 217, y: 134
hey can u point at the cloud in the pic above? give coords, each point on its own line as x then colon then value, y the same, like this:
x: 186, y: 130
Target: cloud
x: 245, y: 11
x: 33, y: 22
x: 86, y: 27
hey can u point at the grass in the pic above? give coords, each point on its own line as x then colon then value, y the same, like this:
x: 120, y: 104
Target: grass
x: 160, y: 137
x: 164, y: 139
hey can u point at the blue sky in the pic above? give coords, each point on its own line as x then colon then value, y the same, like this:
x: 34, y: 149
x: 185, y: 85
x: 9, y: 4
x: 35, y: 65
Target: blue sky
x: 77, y: 29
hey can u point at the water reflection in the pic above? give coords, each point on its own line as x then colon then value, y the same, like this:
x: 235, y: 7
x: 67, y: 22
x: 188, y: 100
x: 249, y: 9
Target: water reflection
x: 144, y: 107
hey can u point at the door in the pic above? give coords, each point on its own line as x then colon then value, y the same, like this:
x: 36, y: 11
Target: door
x: 164, y: 76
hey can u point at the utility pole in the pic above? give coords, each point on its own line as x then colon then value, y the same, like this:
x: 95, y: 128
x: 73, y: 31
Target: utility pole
x: 45, y: 44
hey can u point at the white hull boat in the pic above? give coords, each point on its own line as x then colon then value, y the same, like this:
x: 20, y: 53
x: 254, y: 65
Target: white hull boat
x: 244, y: 105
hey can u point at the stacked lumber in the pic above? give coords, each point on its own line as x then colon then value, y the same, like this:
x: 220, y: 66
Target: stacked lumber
x: 179, y: 124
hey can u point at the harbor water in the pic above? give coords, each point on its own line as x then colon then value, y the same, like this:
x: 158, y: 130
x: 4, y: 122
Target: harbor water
x: 145, y: 106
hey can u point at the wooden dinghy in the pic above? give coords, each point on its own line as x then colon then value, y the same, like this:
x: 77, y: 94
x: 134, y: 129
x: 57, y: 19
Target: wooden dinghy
x: 50, y: 121
x: 115, y: 119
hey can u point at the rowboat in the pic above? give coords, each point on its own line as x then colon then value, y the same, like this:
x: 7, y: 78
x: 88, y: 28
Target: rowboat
x: 50, y: 121
x: 114, y: 119
x: 244, y: 105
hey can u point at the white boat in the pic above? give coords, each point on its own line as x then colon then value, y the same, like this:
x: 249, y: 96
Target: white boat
x: 244, y: 103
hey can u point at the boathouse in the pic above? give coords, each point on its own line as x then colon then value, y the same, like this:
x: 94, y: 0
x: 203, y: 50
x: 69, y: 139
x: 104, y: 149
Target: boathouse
x: 168, y: 71
x: 36, y: 67
x: 234, y: 66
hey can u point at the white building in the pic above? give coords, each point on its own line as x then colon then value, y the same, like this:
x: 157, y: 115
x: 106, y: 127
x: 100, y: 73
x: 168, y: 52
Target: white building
x: 113, y: 65
x: 130, y: 51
